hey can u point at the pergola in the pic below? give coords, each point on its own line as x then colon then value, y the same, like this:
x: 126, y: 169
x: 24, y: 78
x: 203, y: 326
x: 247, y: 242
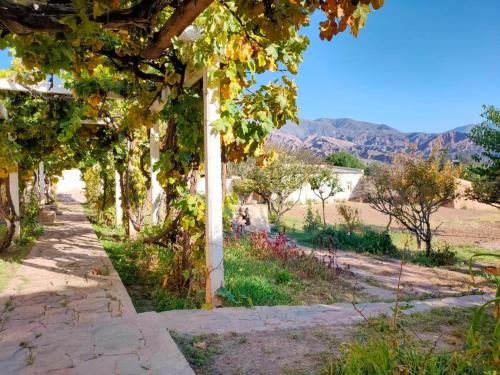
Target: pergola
x: 212, y: 162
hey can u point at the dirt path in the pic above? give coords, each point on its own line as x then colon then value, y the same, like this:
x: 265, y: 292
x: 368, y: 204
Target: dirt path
x: 67, y: 311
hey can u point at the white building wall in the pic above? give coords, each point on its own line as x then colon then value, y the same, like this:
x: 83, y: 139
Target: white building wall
x: 71, y: 185
x: 200, y: 185
x: 348, y: 182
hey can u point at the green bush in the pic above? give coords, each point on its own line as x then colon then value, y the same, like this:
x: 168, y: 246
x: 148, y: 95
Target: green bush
x: 367, y: 241
x: 31, y: 228
x: 312, y: 222
x: 283, y: 277
x: 441, y: 255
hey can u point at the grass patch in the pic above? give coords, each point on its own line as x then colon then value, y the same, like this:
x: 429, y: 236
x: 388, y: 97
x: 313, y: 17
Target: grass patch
x: 142, y: 280
x: 198, y: 350
x: 255, y: 280
x: 431, y: 342
x: 11, y: 259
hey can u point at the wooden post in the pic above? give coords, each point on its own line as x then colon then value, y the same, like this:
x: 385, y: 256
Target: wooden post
x: 41, y: 182
x: 154, y: 150
x: 14, y: 194
x: 118, y: 201
x: 213, y: 192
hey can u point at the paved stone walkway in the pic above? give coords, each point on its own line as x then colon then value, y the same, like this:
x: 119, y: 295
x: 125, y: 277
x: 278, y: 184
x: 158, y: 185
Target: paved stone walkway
x: 67, y: 312
x: 269, y: 318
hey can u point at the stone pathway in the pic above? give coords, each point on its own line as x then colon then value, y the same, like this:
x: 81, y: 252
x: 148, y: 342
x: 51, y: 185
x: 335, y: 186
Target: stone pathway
x: 378, y: 276
x: 67, y: 312
x: 269, y: 318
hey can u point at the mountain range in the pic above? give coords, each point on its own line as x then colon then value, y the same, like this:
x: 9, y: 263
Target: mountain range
x: 367, y: 140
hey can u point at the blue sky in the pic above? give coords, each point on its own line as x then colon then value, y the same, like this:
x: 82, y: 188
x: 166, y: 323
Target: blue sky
x: 418, y: 65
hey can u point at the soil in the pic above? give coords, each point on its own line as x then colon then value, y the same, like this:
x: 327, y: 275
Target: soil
x: 297, y: 351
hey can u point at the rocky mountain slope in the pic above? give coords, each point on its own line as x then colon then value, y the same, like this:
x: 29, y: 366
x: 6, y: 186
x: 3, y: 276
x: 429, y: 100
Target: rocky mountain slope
x: 367, y: 140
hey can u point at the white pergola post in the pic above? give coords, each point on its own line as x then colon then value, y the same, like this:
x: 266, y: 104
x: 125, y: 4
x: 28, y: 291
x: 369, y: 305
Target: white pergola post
x: 41, y: 182
x: 213, y: 191
x: 154, y: 149
x: 118, y: 200
x: 14, y: 195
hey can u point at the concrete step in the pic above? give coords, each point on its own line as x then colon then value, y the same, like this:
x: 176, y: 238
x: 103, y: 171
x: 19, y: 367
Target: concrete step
x: 269, y: 318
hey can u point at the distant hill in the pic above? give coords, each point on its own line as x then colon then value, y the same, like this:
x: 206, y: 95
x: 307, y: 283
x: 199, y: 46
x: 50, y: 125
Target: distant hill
x: 367, y: 140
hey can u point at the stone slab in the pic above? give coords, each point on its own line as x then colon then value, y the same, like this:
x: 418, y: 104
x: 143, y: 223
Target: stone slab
x: 268, y: 318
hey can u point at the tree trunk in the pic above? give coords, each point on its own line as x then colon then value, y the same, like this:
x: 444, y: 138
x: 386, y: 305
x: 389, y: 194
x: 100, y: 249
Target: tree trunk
x: 7, y: 211
x: 428, y: 247
x: 105, y: 184
x: 323, y: 207
x: 388, y: 227
x: 428, y: 237
x: 268, y: 203
x: 419, y: 242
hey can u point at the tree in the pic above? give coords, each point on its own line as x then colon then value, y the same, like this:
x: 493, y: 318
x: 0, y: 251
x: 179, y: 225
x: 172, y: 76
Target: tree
x: 324, y: 185
x: 486, y: 180
x: 411, y: 189
x: 275, y: 182
x: 345, y: 159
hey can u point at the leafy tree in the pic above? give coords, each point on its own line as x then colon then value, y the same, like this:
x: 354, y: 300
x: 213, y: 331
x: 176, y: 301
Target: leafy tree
x: 486, y: 173
x: 345, y: 159
x: 324, y: 185
x: 411, y: 189
x: 275, y: 182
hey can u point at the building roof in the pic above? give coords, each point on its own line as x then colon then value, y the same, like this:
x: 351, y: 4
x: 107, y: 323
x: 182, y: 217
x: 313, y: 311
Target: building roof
x: 337, y: 169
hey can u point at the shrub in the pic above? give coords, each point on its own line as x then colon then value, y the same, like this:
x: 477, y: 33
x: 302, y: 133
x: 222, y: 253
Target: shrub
x: 367, y: 241
x: 442, y: 255
x: 312, y: 222
x: 378, y: 243
x: 31, y: 228
x: 283, y: 277
x: 350, y: 215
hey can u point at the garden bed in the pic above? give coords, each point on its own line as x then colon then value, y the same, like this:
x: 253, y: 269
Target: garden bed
x: 251, y: 277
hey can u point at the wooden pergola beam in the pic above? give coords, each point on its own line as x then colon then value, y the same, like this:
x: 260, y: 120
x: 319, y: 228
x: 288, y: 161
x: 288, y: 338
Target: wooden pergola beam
x: 33, y: 17
x: 175, y: 25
